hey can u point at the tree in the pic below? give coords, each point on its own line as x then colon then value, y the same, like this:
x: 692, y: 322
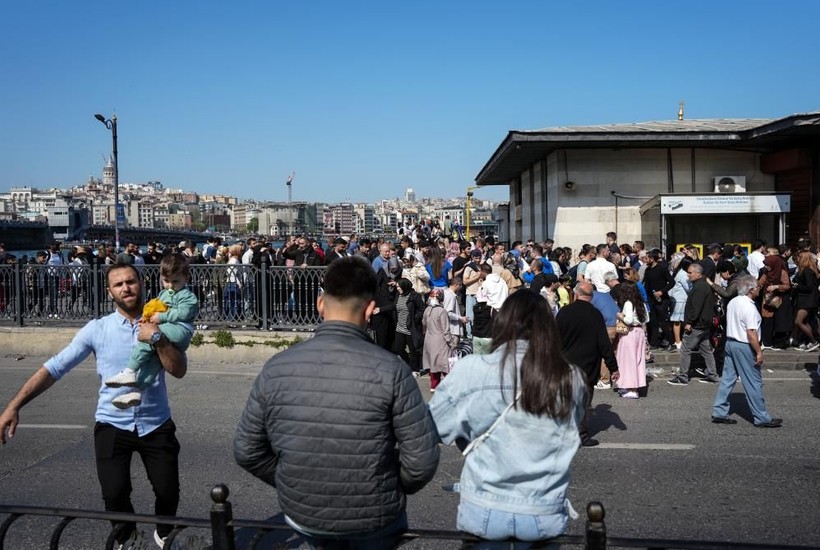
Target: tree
x: 253, y: 225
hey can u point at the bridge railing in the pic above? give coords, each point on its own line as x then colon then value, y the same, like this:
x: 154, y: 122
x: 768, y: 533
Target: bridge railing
x: 230, y: 295
x: 220, y: 531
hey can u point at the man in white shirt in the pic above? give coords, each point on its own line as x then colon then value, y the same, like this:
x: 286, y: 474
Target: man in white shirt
x: 756, y: 258
x: 597, y: 268
x: 744, y: 357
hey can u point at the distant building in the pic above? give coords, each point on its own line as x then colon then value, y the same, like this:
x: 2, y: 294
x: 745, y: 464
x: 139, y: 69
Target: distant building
x: 410, y: 195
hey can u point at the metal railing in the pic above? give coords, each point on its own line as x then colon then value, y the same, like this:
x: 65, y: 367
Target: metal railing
x: 230, y: 295
x: 222, y: 527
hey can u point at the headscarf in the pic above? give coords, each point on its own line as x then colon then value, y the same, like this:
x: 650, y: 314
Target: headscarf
x: 393, y: 268
x: 775, y: 265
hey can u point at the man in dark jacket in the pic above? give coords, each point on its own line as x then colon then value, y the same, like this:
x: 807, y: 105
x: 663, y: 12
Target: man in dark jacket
x: 658, y: 282
x: 338, y: 425
x: 697, y: 324
x: 585, y: 343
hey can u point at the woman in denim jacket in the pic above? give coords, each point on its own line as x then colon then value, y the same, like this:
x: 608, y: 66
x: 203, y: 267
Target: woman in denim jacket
x: 515, y: 413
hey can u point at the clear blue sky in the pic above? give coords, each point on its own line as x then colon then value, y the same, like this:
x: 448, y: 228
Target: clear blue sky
x: 364, y: 99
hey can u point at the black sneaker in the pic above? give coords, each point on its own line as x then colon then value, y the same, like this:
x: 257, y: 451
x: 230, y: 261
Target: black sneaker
x: 677, y: 381
x: 723, y: 420
x: 589, y: 442
x: 773, y: 423
x: 701, y: 371
x: 709, y: 379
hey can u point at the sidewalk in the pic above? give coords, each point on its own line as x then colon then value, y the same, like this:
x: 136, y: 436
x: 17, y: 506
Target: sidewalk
x: 787, y: 359
x: 251, y: 346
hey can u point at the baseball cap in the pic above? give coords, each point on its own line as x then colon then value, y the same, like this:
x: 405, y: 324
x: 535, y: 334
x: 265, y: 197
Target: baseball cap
x: 475, y: 252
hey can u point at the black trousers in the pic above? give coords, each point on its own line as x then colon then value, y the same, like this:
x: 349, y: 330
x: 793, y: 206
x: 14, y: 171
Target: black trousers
x: 659, y: 322
x: 159, y: 451
x: 583, y: 429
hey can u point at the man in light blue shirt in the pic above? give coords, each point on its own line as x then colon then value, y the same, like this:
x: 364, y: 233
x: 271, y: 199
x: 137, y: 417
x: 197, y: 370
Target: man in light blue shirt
x: 146, y: 429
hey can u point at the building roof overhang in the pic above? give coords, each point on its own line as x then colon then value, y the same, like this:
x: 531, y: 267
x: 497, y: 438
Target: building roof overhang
x: 522, y: 148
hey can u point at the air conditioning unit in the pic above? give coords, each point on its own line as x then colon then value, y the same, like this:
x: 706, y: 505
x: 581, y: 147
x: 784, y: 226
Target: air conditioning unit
x: 730, y: 184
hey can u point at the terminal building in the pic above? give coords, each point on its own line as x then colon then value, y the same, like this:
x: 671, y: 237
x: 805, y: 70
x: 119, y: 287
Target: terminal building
x: 665, y: 182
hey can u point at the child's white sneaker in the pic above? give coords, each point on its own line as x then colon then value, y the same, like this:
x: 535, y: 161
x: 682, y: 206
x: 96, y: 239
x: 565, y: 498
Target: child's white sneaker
x: 125, y: 377
x: 127, y: 400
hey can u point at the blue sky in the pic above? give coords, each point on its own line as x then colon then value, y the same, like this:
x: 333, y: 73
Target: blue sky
x: 364, y: 99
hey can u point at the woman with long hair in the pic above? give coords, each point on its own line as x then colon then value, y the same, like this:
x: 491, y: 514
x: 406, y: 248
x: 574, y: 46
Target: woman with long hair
x: 438, y: 268
x: 515, y: 414
x: 807, y: 299
x: 679, y: 293
x: 631, y: 349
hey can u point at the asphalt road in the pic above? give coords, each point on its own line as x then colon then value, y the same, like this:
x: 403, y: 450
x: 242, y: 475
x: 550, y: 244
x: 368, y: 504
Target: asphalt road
x: 662, y: 469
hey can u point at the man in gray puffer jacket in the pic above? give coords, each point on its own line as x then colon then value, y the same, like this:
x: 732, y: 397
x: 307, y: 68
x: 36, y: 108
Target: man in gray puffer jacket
x: 338, y: 425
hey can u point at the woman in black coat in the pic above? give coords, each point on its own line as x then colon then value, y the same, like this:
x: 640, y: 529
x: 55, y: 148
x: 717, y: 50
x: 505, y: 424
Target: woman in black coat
x: 409, y: 340
x: 806, y: 301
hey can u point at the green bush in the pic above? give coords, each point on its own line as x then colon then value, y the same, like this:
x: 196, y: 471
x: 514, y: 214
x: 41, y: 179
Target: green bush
x: 198, y: 339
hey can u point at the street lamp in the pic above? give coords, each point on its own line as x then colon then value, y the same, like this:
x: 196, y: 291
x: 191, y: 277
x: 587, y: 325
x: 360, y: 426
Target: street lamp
x: 469, y: 206
x: 112, y: 125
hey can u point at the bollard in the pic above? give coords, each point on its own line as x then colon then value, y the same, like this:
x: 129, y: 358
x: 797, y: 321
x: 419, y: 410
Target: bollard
x: 596, y: 529
x: 221, y: 519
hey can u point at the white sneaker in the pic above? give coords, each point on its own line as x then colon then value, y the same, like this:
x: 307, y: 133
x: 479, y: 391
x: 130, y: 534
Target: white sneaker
x: 812, y: 347
x: 127, y: 400
x: 630, y: 395
x: 126, y: 377
x: 159, y: 540
x: 601, y: 385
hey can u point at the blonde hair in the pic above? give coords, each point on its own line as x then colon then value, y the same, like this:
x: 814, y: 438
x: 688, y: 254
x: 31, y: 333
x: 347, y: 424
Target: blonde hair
x: 235, y: 250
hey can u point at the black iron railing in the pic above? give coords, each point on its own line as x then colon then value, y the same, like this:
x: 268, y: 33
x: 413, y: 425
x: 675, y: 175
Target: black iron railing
x: 222, y: 527
x: 230, y: 295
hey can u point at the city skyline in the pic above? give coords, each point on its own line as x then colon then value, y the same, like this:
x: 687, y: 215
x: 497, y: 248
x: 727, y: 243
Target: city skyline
x: 370, y: 99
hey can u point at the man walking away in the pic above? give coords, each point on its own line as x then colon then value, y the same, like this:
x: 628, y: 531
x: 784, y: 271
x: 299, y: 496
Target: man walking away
x: 338, y: 425
x: 744, y: 357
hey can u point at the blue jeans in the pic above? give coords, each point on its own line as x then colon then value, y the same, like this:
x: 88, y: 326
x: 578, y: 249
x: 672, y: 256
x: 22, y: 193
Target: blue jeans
x: 468, y: 305
x: 496, y: 526
x: 385, y: 538
x: 740, y: 361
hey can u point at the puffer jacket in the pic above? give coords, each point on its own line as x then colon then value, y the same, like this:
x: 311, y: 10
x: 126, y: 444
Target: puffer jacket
x: 338, y: 425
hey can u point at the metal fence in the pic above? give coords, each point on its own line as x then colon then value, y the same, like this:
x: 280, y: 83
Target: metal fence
x: 230, y: 295
x: 222, y: 528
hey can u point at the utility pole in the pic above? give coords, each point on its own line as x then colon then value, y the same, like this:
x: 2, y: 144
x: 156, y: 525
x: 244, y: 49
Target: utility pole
x: 469, y: 208
x: 290, y: 200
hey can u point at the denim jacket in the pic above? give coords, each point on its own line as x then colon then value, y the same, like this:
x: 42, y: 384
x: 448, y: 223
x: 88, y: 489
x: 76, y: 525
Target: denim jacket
x: 523, y: 466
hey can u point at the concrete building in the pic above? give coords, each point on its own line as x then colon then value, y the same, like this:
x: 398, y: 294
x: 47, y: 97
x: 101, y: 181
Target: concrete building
x: 667, y: 182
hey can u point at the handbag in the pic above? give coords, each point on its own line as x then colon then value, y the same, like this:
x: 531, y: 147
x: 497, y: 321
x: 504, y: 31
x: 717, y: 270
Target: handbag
x: 772, y: 300
x: 621, y: 327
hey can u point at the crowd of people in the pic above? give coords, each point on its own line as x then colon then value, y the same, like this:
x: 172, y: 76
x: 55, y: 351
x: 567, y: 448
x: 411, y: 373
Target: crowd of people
x: 515, y: 341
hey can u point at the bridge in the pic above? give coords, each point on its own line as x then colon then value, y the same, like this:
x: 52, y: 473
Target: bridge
x: 25, y: 235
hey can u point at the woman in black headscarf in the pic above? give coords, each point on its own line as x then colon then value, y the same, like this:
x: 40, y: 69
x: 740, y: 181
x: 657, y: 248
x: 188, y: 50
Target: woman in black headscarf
x: 775, y: 306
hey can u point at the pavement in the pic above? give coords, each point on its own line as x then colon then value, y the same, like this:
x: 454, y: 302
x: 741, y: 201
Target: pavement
x: 662, y: 469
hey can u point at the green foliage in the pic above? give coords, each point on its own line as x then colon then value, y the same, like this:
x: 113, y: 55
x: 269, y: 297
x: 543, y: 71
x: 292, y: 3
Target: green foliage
x: 198, y: 339
x: 224, y: 339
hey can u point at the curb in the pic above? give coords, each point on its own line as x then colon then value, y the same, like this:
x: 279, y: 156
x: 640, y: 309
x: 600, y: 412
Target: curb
x: 251, y: 347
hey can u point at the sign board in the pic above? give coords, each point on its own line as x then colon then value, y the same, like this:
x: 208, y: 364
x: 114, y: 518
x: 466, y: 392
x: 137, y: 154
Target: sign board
x: 120, y: 215
x: 718, y: 203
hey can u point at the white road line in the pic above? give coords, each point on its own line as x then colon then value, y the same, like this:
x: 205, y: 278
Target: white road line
x: 53, y: 426
x: 648, y: 446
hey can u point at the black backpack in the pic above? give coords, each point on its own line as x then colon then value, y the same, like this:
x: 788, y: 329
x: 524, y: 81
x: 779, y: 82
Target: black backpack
x: 482, y: 325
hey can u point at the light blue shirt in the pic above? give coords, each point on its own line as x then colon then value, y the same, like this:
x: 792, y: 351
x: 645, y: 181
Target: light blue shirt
x: 111, y: 339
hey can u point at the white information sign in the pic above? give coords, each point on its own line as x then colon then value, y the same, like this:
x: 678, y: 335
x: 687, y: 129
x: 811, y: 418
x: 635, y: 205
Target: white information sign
x: 718, y: 203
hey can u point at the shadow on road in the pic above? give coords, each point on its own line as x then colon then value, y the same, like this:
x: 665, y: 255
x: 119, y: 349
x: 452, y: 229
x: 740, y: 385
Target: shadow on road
x: 603, y: 418
x: 273, y: 539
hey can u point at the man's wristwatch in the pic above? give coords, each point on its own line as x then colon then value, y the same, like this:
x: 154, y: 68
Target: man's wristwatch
x: 155, y: 338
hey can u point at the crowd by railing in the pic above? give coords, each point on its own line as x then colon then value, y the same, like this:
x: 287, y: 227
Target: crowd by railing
x: 230, y: 295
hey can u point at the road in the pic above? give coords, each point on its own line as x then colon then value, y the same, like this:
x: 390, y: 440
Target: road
x: 662, y: 469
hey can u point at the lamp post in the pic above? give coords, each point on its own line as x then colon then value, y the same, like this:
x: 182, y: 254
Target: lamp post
x: 112, y: 125
x: 469, y: 207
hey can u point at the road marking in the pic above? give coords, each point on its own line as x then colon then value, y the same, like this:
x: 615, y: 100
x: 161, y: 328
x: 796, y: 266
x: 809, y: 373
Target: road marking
x: 53, y: 426
x: 648, y: 446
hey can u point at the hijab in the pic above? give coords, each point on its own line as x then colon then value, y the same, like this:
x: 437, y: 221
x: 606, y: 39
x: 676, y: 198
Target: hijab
x: 775, y: 265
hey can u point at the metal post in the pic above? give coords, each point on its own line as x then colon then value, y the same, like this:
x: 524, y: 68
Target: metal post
x: 116, y: 186
x: 596, y: 529
x: 263, y: 292
x: 221, y: 519
x: 96, y: 297
x: 18, y: 295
